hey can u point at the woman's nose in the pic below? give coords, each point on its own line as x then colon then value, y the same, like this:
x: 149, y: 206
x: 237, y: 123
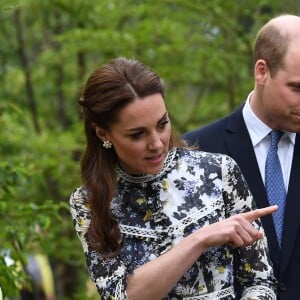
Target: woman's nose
x: 155, y: 142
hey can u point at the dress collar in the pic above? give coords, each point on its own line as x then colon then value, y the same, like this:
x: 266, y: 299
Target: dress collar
x: 147, y: 177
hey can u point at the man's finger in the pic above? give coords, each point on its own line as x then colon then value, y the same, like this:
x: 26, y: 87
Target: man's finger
x: 257, y: 213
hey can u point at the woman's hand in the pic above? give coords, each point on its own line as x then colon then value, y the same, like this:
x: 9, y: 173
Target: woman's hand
x: 236, y: 230
x: 156, y: 278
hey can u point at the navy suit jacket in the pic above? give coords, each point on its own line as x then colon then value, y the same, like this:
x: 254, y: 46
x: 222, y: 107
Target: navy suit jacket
x: 230, y: 136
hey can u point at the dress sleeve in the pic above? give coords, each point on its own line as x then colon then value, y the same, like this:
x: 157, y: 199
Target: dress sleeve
x: 254, y: 278
x: 109, y: 275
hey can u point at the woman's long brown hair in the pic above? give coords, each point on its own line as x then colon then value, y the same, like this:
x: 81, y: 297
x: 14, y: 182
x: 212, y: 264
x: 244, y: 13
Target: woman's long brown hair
x: 109, y: 89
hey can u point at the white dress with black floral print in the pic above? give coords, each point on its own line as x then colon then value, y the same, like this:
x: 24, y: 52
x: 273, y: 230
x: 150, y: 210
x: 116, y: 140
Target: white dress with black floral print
x: 156, y: 212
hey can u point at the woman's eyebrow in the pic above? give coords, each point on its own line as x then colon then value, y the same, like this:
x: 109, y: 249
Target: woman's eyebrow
x: 142, y: 127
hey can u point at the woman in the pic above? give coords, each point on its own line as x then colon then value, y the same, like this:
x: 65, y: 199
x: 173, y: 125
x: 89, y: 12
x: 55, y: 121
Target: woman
x: 157, y: 220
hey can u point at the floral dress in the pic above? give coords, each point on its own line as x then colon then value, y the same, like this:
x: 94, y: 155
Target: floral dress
x: 155, y: 212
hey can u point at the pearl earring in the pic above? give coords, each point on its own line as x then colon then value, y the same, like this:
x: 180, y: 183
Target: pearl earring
x: 107, y: 144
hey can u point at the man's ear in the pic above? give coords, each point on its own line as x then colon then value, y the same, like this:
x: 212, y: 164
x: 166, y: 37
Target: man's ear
x: 261, y: 72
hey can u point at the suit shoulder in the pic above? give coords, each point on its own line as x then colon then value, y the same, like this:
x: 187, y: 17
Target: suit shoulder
x: 216, y: 126
x: 211, y: 134
x: 205, y: 137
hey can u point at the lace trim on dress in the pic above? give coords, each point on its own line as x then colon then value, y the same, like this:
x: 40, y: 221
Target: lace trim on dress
x: 213, y: 296
x: 119, y: 295
x: 148, y: 177
x: 156, y: 234
x: 255, y: 291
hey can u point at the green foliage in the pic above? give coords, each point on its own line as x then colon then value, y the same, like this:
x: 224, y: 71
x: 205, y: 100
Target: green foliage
x: 19, y: 232
x: 202, y: 50
x: 30, y: 217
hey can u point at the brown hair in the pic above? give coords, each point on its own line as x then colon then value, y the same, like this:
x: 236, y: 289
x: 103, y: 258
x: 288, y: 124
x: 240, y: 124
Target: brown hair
x: 271, y: 45
x: 109, y: 89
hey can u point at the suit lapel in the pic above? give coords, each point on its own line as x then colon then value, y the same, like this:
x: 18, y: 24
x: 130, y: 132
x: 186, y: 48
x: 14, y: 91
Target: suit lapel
x: 292, y: 220
x: 239, y: 146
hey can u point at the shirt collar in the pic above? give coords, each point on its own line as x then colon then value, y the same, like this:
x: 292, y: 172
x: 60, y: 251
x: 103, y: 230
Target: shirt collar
x: 256, y: 128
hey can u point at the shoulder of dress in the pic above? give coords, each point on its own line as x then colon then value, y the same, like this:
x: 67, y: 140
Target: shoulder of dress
x: 78, y: 196
x: 200, y: 154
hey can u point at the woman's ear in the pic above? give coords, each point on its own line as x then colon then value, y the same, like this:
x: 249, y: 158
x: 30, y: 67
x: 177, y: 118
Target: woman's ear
x: 261, y: 72
x: 100, y: 132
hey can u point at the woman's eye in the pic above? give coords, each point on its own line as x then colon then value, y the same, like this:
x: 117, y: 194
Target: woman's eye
x: 163, y: 123
x: 136, y: 135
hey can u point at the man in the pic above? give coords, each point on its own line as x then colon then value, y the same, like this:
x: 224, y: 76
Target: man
x: 274, y: 104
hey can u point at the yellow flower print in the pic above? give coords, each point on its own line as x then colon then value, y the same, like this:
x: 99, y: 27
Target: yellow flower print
x: 227, y: 253
x: 141, y: 200
x: 201, y: 288
x: 248, y: 267
x: 165, y: 185
x: 80, y: 221
x: 148, y: 215
x: 221, y: 269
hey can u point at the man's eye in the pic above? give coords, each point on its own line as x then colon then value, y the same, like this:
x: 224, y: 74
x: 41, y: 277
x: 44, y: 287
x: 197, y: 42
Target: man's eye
x: 296, y: 88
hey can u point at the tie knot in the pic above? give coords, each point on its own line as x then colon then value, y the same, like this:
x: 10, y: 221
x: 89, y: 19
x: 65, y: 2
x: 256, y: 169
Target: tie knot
x: 275, y: 137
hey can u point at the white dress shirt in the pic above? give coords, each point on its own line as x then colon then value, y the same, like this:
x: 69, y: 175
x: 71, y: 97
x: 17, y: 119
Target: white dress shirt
x: 261, y: 140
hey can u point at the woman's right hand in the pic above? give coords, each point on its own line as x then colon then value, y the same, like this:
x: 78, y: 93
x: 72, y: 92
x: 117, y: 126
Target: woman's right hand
x: 156, y: 278
x: 236, y: 230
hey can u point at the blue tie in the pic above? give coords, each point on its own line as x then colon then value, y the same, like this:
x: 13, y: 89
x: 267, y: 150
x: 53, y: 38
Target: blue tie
x: 274, y: 183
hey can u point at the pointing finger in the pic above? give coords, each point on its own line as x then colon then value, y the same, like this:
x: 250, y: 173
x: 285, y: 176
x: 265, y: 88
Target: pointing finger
x: 257, y: 213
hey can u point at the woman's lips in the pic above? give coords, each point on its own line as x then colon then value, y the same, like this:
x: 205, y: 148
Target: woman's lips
x: 155, y: 159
